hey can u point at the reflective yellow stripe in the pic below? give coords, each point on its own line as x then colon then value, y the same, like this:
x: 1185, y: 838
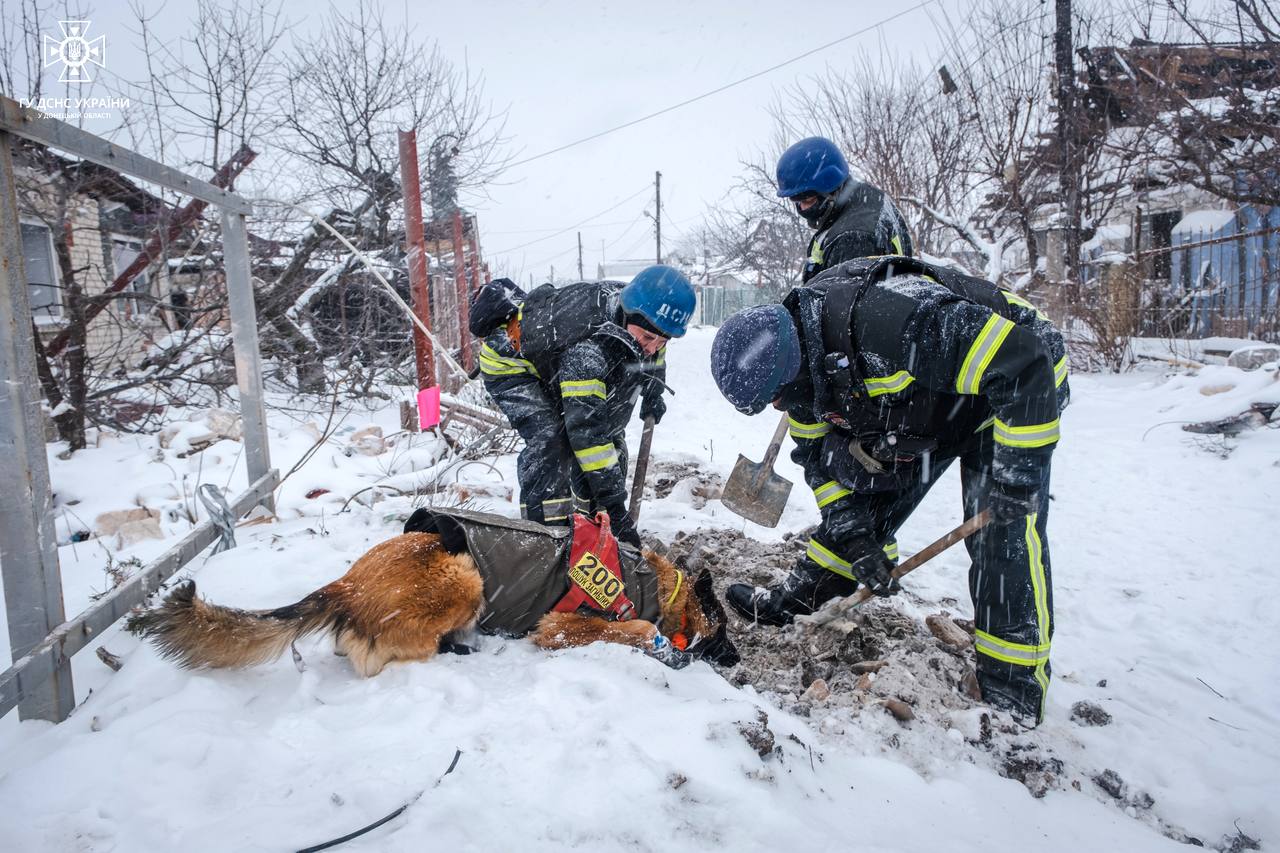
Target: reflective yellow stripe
x: 829, y: 492
x: 556, y: 509
x: 891, y: 549
x: 490, y: 369
x: 1015, y: 653
x: 595, y: 458
x: 897, y: 244
x: 804, y: 431
x: 583, y: 388
x: 828, y: 559
x: 1015, y: 299
x: 499, y: 365
x: 1035, y: 435
x: 676, y: 591
x: 984, y: 348
x: 1060, y: 372
x: 877, y: 385
x: 815, y: 255
x: 1040, y: 592
x: 661, y: 358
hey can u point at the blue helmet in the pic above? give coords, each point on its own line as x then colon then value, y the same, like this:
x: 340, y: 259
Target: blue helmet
x: 755, y: 353
x: 663, y: 296
x: 813, y: 165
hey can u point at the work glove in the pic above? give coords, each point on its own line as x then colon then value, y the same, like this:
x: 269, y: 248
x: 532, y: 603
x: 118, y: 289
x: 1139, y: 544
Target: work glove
x: 868, y: 563
x: 652, y: 405
x: 1010, y: 503
x: 661, y: 649
x: 875, y: 571
x: 624, y: 529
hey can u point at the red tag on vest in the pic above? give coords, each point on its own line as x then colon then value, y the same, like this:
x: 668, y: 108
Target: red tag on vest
x: 595, y: 573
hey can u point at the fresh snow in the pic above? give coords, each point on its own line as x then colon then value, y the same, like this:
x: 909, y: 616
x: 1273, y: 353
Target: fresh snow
x: 1163, y: 556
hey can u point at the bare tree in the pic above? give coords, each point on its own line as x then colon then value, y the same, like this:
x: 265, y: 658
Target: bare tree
x: 353, y: 85
x: 212, y: 92
x: 758, y: 233
x: 1213, y: 105
x: 897, y: 132
x: 20, y: 46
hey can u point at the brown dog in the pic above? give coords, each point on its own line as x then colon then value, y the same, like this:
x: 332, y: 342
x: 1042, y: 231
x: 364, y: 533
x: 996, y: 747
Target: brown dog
x: 400, y: 600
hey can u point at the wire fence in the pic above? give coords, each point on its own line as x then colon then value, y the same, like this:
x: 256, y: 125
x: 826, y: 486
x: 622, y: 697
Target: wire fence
x: 715, y: 303
x: 1221, y: 280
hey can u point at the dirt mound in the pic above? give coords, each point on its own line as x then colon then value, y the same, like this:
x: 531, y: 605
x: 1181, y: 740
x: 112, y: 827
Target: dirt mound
x: 669, y: 475
x: 899, y: 672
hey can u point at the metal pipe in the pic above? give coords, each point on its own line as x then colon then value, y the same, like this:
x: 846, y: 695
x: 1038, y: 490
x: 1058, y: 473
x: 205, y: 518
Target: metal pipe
x: 416, y: 255
x: 244, y: 337
x: 28, y: 548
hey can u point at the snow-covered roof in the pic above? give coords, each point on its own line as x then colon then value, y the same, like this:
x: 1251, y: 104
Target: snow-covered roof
x: 1199, y: 222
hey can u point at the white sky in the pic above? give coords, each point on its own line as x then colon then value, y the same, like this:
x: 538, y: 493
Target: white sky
x: 565, y: 70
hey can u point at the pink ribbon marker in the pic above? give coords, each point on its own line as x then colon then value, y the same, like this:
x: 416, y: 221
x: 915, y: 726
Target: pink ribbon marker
x: 429, y: 407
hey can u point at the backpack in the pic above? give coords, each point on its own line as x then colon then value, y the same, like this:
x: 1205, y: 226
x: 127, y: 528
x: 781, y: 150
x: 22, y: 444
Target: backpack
x: 553, y: 319
x: 493, y: 305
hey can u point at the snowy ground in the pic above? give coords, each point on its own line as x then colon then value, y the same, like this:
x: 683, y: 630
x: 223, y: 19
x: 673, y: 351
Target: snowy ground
x: 1163, y: 557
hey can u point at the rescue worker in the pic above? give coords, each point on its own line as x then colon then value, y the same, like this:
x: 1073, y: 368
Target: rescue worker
x: 890, y: 370
x: 852, y: 219
x: 566, y: 367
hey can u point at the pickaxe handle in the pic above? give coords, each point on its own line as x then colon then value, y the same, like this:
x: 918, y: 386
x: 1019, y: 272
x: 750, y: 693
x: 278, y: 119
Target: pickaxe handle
x: 915, y: 561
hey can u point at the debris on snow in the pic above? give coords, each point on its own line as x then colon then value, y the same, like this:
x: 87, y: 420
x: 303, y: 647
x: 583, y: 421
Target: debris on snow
x: 758, y: 734
x: 1089, y: 714
x: 1258, y: 415
x: 952, y: 636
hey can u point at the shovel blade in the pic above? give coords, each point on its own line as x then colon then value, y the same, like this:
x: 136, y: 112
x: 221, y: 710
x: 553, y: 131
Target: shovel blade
x: 756, y: 494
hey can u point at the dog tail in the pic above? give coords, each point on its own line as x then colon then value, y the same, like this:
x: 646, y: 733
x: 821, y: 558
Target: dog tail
x: 200, y: 635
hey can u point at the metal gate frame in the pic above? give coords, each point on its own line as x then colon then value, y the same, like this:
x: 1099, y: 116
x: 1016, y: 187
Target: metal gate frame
x: 39, y: 682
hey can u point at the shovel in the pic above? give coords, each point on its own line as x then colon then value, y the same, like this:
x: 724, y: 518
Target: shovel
x: 642, y: 470
x: 754, y: 491
x: 842, y: 607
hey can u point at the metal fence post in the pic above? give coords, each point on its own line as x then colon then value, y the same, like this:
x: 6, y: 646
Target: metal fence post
x: 28, y: 547
x: 244, y: 336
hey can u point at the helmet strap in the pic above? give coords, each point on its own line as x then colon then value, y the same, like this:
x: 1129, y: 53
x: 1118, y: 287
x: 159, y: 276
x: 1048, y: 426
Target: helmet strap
x: 636, y: 319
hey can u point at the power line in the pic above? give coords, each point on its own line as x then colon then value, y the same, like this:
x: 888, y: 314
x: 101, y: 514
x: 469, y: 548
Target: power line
x: 555, y: 228
x: 643, y: 189
x: 725, y: 87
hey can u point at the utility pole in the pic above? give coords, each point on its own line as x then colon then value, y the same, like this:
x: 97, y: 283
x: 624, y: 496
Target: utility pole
x: 1069, y: 161
x: 657, y: 219
x: 579, y: 256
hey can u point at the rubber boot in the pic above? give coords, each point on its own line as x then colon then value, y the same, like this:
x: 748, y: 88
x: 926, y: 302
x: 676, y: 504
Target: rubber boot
x: 807, y: 588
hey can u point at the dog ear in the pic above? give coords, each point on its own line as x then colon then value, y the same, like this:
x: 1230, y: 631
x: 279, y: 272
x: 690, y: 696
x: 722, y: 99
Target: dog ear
x: 704, y: 589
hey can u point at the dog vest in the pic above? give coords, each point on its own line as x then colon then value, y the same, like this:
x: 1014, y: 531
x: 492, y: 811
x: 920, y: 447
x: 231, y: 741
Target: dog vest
x: 527, y: 569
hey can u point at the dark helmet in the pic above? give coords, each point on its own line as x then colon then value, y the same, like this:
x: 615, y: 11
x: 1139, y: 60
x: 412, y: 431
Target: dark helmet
x: 663, y: 296
x: 755, y: 353
x: 813, y: 166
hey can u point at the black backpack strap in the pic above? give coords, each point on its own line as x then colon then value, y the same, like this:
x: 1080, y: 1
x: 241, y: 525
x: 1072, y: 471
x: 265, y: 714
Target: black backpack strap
x: 839, y: 362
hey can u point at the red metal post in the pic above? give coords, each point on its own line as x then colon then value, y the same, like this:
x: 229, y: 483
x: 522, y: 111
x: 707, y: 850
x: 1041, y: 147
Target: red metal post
x: 476, y: 269
x: 416, y: 250
x: 464, y: 301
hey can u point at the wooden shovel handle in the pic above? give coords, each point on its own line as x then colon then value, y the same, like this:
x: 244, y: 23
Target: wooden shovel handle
x: 642, y: 469
x: 771, y: 455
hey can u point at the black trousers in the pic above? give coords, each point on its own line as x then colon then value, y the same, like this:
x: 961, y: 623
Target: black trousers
x: 1009, y: 578
x: 552, y: 486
